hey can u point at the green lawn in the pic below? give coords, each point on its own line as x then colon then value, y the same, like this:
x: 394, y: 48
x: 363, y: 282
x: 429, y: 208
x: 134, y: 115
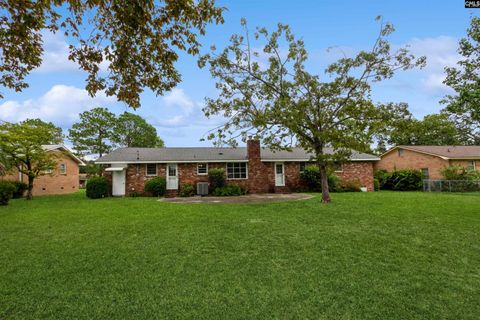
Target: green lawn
x: 365, y: 256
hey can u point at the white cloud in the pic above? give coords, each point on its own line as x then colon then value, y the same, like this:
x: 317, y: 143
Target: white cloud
x: 55, y: 55
x: 178, y: 98
x: 60, y: 105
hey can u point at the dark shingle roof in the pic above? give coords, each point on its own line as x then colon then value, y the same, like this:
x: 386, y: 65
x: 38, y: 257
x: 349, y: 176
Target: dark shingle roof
x: 210, y: 154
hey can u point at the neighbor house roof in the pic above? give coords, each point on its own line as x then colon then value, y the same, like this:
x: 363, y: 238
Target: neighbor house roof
x: 144, y: 155
x: 61, y: 147
x: 445, y: 152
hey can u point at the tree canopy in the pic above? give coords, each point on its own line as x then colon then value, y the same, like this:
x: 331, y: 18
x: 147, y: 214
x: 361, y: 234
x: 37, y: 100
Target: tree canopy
x: 464, y: 105
x: 269, y: 94
x: 132, y: 130
x: 94, y: 133
x: 21, y: 146
x: 138, y: 39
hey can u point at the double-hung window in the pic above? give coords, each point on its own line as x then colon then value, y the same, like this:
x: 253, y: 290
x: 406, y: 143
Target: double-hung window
x: 471, y: 165
x: 237, y: 170
x: 151, y: 169
x: 202, y: 169
x: 63, y: 168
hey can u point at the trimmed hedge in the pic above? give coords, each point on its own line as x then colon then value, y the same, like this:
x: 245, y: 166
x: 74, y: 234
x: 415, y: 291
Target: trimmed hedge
x: 216, y: 179
x: 156, y: 186
x: 229, y: 190
x: 6, y: 192
x: 97, y: 187
x: 187, y: 190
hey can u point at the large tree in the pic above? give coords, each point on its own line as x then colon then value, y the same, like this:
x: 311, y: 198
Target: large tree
x: 132, y: 130
x: 139, y: 39
x: 433, y: 129
x: 464, y: 105
x: 94, y: 133
x: 22, y: 146
x: 270, y: 95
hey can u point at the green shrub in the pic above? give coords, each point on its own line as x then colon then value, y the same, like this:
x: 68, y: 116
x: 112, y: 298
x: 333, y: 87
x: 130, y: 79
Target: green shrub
x: 405, y: 180
x: 216, y: 179
x: 229, y: 190
x: 311, y: 177
x: 6, y: 192
x: 383, y: 176
x: 351, y: 186
x: 376, y: 184
x: 97, y: 187
x: 459, y: 173
x: 187, y: 190
x: 156, y: 186
x: 135, y: 194
x: 20, y: 188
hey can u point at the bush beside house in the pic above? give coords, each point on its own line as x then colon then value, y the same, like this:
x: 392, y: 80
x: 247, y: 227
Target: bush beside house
x: 7, y: 190
x: 156, y: 187
x: 399, y: 180
x: 97, y: 187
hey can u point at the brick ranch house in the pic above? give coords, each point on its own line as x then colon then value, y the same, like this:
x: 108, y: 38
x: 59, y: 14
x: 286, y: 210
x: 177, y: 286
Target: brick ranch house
x: 61, y: 180
x: 429, y: 159
x: 257, y: 169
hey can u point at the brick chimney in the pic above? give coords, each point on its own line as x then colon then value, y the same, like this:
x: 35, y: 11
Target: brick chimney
x: 253, y: 149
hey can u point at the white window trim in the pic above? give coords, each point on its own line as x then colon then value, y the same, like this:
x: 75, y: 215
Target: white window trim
x: 64, y: 171
x: 206, y: 172
x: 246, y: 171
x: 283, y: 173
x: 341, y: 168
x: 474, y: 164
x: 146, y: 170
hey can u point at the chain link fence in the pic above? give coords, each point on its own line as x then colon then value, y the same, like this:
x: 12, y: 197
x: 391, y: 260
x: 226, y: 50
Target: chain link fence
x: 451, y: 185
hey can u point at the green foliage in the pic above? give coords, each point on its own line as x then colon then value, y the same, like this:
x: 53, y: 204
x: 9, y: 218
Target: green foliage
x: 275, y: 98
x: 311, y: 177
x: 156, y: 186
x: 21, y: 144
x: 229, y: 190
x: 7, y: 190
x: 464, y: 105
x: 459, y: 173
x: 94, y: 133
x: 20, y: 188
x: 187, y: 190
x: 131, y: 130
x: 434, y: 129
x: 350, y: 186
x: 400, y: 180
x: 97, y: 187
x: 216, y: 179
x: 376, y: 184
x: 139, y: 39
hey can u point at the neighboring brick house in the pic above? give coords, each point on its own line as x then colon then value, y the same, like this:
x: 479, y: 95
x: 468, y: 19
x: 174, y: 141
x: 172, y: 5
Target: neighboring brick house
x: 429, y: 159
x: 63, y: 179
x: 257, y: 169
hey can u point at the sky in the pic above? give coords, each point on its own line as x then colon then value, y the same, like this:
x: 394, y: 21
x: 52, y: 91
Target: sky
x: 429, y: 28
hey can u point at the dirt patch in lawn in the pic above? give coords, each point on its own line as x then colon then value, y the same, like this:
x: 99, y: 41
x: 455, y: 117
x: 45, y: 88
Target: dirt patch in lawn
x: 251, y: 198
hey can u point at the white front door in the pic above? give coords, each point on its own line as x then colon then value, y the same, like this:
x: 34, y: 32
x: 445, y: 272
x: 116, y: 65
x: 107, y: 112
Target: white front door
x: 118, y: 183
x: 172, y: 176
x: 279, y: 175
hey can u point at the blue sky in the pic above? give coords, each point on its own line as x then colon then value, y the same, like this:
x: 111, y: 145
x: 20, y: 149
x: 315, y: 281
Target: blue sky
x: 431, y: 28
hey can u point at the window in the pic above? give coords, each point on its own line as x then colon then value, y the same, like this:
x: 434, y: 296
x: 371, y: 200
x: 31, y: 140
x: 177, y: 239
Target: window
x: 63, y: 168
x: 470, y: 165
x: 302, y: 166
x: 202, y: 169
x: 151, y: 169
x: 237, y: 170
x: 425, y: 174
x: 337, y: 166
x: 400, y: 152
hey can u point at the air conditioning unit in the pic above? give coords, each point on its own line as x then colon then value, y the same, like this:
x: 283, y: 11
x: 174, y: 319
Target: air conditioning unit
x: 202, y: 188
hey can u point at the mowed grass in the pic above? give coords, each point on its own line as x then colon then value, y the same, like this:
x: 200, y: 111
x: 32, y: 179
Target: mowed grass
x: 364, y: 256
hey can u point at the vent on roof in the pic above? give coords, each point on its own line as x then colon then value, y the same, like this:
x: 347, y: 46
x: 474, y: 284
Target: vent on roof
x: 220, y: 153
x: 138, y: 155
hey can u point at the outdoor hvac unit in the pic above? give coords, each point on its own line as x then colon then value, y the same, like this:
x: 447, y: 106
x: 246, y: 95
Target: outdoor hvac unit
x: 202, y: 188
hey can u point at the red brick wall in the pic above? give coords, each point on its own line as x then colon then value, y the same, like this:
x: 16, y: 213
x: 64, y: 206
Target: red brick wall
x: 261, y: 176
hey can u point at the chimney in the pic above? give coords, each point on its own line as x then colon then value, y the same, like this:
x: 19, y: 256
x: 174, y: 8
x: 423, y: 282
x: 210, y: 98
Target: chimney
x: 253, y: 149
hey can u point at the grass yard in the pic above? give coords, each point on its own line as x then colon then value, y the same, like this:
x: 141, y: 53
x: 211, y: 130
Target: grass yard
x: 365, y: 256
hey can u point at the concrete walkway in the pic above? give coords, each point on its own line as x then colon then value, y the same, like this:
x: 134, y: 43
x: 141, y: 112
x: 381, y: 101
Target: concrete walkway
x: 250, y: 198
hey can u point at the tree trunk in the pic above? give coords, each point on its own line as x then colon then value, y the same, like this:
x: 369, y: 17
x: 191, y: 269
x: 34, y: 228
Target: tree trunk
x: 324, y: 182
x: 30, y: 188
